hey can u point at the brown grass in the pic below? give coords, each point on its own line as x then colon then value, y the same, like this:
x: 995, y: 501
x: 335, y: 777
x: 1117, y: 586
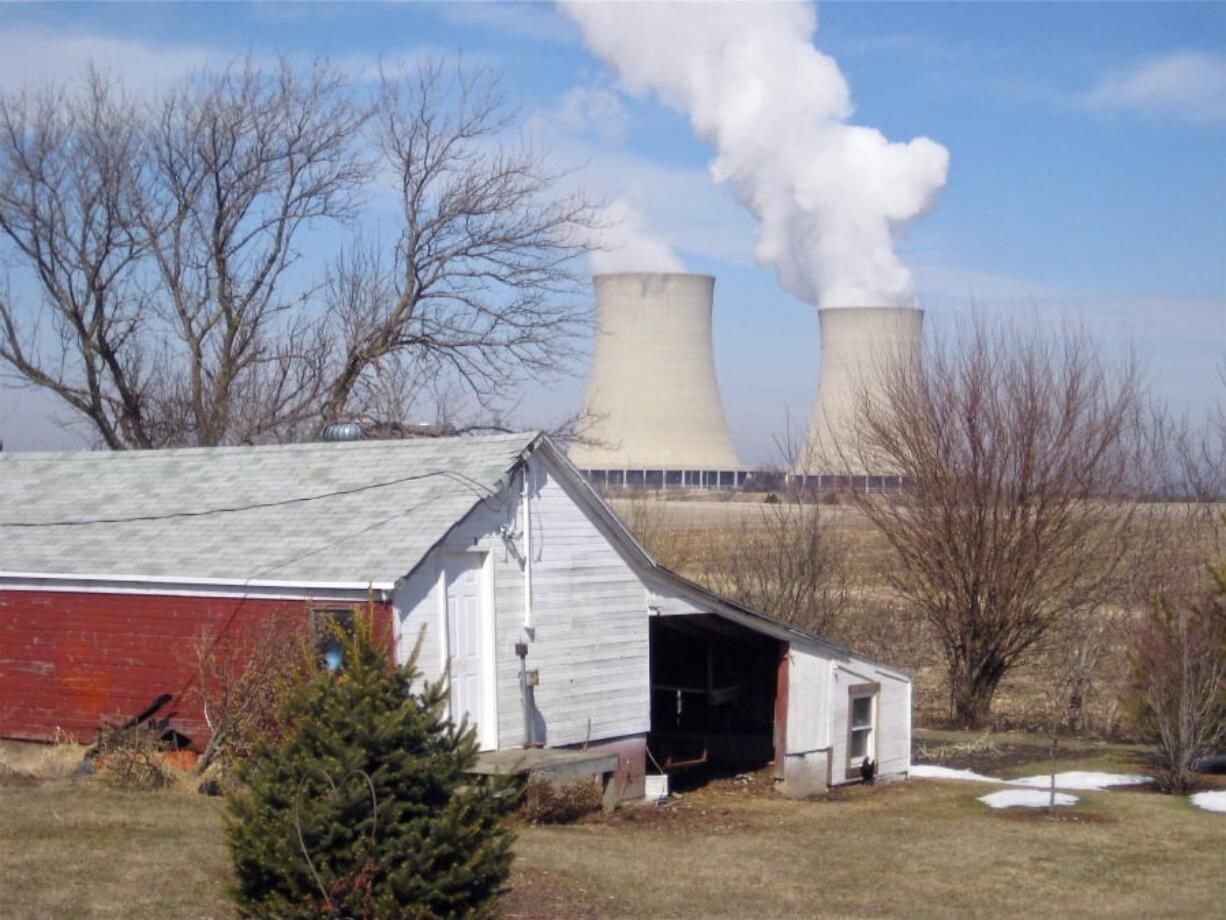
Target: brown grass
x: 84, y: 850
x: 683, y: 533
x: 906, y: 850
x: 917, y: 849
x: 41, y: 761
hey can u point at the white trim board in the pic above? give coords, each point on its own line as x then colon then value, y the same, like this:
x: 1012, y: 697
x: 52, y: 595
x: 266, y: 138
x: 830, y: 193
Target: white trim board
x: 192, y: 587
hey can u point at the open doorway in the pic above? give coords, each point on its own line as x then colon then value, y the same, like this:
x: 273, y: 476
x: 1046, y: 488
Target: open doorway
x: 713, y: 696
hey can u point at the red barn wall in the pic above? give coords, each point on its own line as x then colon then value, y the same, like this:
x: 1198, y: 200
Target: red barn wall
x: 69, y: 660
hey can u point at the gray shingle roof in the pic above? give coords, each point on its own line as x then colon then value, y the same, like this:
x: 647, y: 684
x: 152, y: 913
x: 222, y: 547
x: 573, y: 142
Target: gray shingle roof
x: 357, y: 512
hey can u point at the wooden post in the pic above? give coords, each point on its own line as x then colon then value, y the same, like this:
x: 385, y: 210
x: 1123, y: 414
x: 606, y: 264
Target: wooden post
x: 781, y: 709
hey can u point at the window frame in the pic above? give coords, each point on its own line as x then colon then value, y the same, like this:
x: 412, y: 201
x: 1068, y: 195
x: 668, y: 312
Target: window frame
x: 319, y: 617
x: 871, y: 692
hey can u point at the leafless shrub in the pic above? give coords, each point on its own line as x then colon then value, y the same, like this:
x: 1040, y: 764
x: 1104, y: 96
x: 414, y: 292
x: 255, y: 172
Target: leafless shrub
x: 241, y: 683
x: 782, y: 558
x: 786, y: 561
x: 1017, y: 515
x: 661, y: 527
x: 1175, y: 687
x: 132, y: 758
x: 548, y: 802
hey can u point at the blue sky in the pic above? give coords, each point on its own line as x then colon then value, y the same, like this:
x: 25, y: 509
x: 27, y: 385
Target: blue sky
x: 1087, y: 175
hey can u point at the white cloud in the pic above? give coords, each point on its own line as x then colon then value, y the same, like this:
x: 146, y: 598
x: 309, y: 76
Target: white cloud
x: 651, y: 208
x: 536, y: 22
x: 970, y: 286
x: 368, y: 68
x: 33, y: 56
x: 581, y: 134
x: 1185, y: 85
x: 682, y: 205
x: 593, y: 110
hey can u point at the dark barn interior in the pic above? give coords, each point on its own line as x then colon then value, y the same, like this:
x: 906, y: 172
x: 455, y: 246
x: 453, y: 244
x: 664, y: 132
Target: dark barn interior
x: 713, y: 695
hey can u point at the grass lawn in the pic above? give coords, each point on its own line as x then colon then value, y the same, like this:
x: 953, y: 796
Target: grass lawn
x: 911, y: 849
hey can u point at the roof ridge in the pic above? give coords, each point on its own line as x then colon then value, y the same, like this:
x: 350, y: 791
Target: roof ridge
x: 527, y: 436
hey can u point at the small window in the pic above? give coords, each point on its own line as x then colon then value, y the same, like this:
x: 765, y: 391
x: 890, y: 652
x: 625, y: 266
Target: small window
x: 861, y: 726
x: 328, y: 625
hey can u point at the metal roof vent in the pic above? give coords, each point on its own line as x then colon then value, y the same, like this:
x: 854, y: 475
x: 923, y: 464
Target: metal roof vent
x: 342, y: 431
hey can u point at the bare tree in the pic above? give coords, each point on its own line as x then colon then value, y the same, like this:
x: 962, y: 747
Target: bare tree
x: 164, y: 239
x: 238, y: 164
x: 480, y: 282
x: 66, y: 213
x: 1017, y: 454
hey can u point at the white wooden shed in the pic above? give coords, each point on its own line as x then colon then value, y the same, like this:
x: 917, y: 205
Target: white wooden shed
x: 623, y: 655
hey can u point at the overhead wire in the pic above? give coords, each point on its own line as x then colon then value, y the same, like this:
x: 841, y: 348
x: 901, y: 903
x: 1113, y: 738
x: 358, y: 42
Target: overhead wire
x: 480, y: 489
x: 246, y: 583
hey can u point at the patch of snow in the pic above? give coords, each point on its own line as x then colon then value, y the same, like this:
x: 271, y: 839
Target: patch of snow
x: 1081, y: 779
x: 1025, y: 798
x: 1211, y: 801
x: 1077, y: 779
x: 931, y: 771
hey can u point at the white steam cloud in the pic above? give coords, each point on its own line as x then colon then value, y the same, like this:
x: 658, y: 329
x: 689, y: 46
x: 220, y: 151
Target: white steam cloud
x: 828, y: 195
x: 626, y: 244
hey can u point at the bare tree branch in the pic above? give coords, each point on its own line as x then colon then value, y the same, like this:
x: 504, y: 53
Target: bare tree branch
x: 480, y: 285
x: 163, y: 241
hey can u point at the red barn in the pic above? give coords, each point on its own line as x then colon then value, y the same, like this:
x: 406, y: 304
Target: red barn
x: 117, y: 568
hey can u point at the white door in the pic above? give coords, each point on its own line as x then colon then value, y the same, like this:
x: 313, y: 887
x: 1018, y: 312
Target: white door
x: 466, y: 646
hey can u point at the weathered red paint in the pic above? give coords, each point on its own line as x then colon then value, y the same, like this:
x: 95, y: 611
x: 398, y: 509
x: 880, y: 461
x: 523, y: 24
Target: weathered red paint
x: 70, y: 660
x: 781, y: 710
x: 631, y: 770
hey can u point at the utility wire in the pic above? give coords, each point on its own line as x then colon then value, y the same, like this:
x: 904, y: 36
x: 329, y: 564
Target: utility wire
x: 480, y: 489
x: 272, y: 567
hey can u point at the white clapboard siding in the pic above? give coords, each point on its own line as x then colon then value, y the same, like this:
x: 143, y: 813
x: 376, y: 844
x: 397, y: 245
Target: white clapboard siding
x: 894, y: 725
x: 808, y: 719
x: 668, y: 601
x: 893, y: 717
x: 589, y: 614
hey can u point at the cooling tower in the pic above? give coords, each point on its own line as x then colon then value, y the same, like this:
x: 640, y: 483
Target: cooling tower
x: 857, y: 344
x: 652, y: 392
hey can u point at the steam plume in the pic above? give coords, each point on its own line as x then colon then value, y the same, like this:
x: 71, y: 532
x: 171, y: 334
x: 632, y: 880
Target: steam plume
x: 828, y: 195
x: 626, y: 244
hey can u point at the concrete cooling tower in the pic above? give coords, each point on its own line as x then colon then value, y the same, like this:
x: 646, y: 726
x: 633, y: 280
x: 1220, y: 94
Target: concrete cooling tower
x: 652, y: 390
x: 857, y: 343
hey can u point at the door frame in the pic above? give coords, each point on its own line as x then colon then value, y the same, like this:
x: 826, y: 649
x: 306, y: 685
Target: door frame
x: 487, y: 719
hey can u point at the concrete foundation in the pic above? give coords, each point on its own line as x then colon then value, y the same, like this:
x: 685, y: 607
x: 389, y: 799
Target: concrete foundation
x: 806, y: 775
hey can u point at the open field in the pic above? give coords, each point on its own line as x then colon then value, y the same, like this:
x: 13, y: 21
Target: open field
x: 920, y: 848
x: 692, y: 532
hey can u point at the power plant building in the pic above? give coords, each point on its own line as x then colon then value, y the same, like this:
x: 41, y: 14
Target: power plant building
x: 653, y: 399
x: 858, y: 344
